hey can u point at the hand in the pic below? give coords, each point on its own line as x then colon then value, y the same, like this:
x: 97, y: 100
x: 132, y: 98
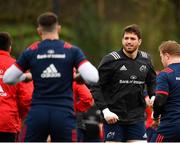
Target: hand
x: 28, y: 77
x: 25, y: 77
x: 155, y: 123
x: 148, y: 101
x: 152, y: 100
x: 109, y: 116
x: 79, y: 79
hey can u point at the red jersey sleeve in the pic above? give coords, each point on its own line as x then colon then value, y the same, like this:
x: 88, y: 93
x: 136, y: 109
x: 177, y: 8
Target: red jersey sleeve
x: 82, y: 97
x: 24, y: 98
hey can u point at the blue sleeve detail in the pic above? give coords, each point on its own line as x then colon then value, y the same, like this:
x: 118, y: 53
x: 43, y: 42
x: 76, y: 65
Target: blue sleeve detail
x: 162, y: 83
x: 24, y: 60
x: 78, y: 56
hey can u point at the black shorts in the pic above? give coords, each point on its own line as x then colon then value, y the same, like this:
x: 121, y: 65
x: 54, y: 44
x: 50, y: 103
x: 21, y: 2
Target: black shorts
x: 123, y: 133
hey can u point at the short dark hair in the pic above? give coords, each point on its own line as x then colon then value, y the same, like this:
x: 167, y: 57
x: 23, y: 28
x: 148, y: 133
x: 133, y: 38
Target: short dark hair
x: 134, y: 28
x: 47, y: 21
x: 5, y: 41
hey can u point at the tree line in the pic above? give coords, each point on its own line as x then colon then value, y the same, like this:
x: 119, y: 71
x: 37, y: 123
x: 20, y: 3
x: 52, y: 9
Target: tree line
x: 94, y: 25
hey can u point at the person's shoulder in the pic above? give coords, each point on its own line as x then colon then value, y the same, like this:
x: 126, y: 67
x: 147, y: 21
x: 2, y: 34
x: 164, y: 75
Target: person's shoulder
x: 113, y: 56
x: 70, y: 46
x: 166, y: 70
x: 9, y: 60
x: 110, y: 57
x: 34, y: 45
x: 164, y: 73
x: 67, y: 45
x: 144, y: 55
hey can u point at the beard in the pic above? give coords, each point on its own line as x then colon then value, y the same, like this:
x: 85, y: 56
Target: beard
x: 130, y: 50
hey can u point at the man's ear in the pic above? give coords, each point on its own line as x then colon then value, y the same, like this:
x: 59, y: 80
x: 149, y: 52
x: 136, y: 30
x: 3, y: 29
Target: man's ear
x: 167, y: 56
x: 39, y: 31
x: 140, y: 41
x: 59, y: 28
x: 9, y: 50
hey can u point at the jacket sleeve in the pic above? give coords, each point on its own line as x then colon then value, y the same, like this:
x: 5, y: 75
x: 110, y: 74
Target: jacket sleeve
x: 24, y: 93
x: 151, y: 80
x: 158, y: 105
x: 82, y: 97
x: 105, y: 71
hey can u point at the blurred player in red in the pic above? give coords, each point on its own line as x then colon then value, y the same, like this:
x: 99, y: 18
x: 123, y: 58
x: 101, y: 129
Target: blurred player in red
x: 14, y: 99
x: 82, y: 102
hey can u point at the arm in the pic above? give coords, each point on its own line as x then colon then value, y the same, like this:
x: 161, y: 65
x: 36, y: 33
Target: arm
x: 159, y: 102
x: 78, y: 79
x: 149, y: 101
x: 83, y: 97
x: 88, y: 72
x: 162, y: 93
x: 146, y: 98
x: 28, y: 77
x: 99, y: 89
x: 13, y: 75
x: 24, y: 98
x: 151, y: 81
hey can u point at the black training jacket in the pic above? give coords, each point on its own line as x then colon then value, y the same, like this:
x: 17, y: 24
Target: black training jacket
x: 121, y: 85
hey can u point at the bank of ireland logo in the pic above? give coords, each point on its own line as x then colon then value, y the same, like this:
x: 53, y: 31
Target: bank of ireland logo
x: 50, y: 72
x: 133, y: 77
x: 143, y: 68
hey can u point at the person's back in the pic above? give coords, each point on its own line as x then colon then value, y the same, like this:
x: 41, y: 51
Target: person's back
x: 15, y: 100
x: 51, y: 63
x: 171, y: 109
x: 167, y: 101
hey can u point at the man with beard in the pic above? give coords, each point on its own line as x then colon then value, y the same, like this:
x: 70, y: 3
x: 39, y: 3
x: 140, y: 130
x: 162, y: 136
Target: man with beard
x: 119, y: 93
